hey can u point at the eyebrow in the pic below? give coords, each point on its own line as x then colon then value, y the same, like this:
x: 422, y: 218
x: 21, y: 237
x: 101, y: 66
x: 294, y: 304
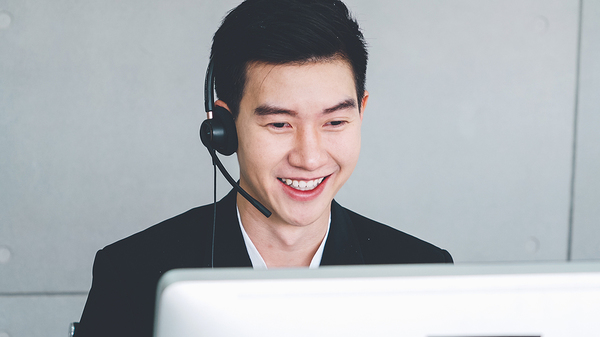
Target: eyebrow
x: 265, y: 110
x: 349, y: 103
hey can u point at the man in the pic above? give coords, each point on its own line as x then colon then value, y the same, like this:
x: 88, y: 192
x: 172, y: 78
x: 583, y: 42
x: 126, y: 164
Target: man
x: 292, y: 74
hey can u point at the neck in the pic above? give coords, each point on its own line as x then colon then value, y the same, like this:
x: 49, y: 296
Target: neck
x: 280, y: 243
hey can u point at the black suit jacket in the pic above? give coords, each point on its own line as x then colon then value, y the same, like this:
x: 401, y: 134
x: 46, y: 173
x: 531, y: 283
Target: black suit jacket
x: 126, y: 273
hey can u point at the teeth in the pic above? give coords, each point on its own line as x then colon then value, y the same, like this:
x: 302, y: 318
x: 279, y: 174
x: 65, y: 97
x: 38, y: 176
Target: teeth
x: 302, y: 185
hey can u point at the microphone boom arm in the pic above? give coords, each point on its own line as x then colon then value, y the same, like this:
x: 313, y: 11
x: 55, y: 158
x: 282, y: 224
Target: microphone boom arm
x: 235, y: 185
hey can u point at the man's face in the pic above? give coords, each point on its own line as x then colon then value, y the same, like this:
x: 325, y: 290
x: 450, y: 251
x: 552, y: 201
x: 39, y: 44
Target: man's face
x: 299, y: 136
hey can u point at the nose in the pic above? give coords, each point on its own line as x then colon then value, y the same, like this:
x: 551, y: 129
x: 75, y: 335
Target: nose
x: 308, y: 152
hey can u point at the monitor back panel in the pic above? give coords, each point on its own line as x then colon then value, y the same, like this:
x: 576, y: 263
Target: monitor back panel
x: 422, y: 301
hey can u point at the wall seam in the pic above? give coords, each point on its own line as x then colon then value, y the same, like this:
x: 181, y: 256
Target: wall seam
x: 574, y: 150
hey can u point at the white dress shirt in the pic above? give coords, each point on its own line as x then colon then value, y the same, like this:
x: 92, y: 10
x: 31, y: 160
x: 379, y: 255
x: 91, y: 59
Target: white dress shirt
x: 259, y: 263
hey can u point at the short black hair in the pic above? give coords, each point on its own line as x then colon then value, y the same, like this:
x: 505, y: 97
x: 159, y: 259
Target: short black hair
x: 281, y: 32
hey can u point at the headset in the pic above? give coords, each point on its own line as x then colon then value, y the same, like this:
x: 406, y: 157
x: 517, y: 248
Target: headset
x: 218, y: 133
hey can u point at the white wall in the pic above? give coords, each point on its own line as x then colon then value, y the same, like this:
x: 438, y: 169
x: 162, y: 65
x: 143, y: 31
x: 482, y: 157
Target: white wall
x: 468, y: 139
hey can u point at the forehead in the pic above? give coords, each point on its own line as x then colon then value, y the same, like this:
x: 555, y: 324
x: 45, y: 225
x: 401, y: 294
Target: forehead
x: 298, y: 85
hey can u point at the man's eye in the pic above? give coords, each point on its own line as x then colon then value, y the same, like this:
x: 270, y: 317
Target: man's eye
x: 279, y: 125
x: 336, y: 123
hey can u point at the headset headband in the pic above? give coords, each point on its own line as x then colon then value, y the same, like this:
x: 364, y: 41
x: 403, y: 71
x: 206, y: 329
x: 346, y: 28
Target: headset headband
x: 209, y: 95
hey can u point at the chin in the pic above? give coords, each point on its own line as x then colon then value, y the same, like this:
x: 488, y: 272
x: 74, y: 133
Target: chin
x: 304, y: 213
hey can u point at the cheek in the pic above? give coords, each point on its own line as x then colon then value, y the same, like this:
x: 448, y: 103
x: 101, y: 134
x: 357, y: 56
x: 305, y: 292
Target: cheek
x: 346, y: 150
x: 257, y: 151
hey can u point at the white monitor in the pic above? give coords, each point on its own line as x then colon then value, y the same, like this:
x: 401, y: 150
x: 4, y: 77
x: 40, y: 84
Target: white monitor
x: 549, y: 300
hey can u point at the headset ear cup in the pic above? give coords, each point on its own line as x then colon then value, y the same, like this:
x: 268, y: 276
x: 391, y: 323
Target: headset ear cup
x: 206, y: 133
x: 224, y: 133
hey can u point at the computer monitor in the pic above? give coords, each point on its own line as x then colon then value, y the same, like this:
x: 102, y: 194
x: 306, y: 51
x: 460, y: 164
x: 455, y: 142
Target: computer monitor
x: 550, y: 300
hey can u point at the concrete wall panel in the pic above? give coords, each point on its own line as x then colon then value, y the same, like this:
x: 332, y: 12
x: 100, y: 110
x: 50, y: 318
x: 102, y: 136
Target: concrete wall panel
x: 586, y: 208
x: 468, y: 134
x: 39, y: 315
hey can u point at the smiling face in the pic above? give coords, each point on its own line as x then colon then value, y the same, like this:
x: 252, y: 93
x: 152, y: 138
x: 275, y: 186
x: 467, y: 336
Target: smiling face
x: 299, y: 137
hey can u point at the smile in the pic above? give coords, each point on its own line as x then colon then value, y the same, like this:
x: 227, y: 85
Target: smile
x: 302, y: 185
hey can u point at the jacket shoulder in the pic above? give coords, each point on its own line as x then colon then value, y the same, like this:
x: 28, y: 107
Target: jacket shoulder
x: 382, y: 244
x: 125, y: 274
x: 176, y: 239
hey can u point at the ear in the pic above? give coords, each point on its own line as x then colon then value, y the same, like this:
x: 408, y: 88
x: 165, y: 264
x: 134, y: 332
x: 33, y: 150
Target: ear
x: 222, y: 105
x: 222, y: 134
x: 363, y: 103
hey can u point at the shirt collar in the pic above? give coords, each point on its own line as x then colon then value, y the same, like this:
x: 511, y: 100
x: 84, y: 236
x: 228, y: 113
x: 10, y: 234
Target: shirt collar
x: 259, y: 263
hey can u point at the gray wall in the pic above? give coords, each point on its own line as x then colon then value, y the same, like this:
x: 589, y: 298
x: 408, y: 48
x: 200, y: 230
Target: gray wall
x: 480, y: 135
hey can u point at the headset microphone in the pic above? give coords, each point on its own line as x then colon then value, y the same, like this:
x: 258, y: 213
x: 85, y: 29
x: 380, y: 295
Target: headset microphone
x: 218, y: 133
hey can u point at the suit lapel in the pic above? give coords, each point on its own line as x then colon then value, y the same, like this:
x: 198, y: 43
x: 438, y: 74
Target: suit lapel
x: 230, y: 249
x: 342, y: 246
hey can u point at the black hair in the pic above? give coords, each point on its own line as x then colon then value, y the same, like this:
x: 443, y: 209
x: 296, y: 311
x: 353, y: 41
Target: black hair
x: 281, y: 32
